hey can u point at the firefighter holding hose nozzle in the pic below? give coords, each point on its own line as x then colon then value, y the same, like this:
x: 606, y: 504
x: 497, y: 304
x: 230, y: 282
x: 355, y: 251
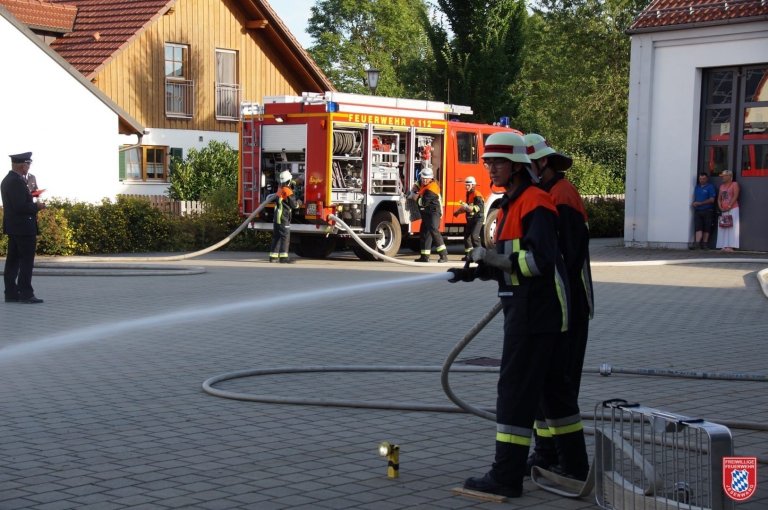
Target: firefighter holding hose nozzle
x: 430, y: 207
x: 530, y: 272
x: 285, y: 203
x: 474, y: 209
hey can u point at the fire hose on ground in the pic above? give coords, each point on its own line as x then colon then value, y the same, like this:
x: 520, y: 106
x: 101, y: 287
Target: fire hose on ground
x: 447, y: 368
x: 117, y: 266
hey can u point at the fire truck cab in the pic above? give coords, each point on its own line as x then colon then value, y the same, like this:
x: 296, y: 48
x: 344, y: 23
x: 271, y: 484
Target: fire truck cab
x: 357, y: 157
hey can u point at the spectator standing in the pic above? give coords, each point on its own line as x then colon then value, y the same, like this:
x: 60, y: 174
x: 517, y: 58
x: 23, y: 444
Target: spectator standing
x: 728, y: 203
x: 703, y: 204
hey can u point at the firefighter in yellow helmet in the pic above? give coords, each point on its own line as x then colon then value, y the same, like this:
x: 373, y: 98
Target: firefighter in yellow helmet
x: 573, y: 237
x: 285, y: 203
x: 431, y: 209
x: 473, y: 207
x: 530, y: 272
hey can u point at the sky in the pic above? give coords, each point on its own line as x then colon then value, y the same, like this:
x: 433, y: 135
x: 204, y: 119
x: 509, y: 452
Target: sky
x: 295, y: 14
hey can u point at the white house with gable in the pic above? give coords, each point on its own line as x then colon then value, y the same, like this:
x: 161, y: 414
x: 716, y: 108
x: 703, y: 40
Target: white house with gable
x: 49, y: 108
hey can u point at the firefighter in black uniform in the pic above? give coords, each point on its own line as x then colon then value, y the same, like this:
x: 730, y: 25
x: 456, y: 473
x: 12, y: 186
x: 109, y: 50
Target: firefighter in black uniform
x: 285, y: 203
x: 528, y: 266
x: 573, y: 235
x: 474, y: 208
x: 431, y: 209
x: 20, y: 224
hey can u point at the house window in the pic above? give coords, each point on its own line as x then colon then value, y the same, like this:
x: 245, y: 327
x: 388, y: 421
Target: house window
x: 145, y: 163
x: 227, y: 88
x: 179, y: 89
x: 734, y: 132
x: 467, y: 143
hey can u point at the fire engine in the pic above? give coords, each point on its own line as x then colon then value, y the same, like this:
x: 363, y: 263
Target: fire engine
x: 356, y: 157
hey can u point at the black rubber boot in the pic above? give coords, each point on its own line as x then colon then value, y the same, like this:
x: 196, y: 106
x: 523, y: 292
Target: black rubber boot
x: 572, y: 454
x: 489, y: 485
x: 443, y: 256
x: 544, y: 453
x: 506, y: 475
x: 422, y: 258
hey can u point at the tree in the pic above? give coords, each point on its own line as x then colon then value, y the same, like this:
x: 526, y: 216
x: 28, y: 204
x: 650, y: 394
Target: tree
x: 204, y: 172
x: 354, y: 35
x: 478, y: 55
x: 574, y: 85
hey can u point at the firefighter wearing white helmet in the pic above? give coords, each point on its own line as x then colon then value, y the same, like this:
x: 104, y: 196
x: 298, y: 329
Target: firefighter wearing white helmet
x: 573, y: 237
x: 430, y: 204
x: 474, y: 208
x: 530, y: 272
x: 285, y: 204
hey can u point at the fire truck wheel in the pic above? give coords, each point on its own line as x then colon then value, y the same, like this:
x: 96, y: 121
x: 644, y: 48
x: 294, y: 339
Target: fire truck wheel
x: 315, y: 247
x: 490, y: 228
x: 384, y: 224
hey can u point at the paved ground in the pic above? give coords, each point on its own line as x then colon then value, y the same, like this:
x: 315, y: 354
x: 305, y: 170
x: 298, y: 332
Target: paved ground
x: 102, y: 406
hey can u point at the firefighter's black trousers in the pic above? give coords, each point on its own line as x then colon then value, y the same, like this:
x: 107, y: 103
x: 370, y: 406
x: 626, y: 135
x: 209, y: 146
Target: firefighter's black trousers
x: 281, y: 240
x: 472, y: 233
x: 527, y: 378
x: 429, y: 232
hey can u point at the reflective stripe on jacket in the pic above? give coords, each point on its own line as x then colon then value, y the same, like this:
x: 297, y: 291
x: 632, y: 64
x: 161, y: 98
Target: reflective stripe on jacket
x: 573, y: 230
x: 526, y: 233
x: 284, y: 206
x: 429, y: 198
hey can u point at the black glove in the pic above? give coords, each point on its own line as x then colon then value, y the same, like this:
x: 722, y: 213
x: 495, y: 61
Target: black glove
x: 462, y: 274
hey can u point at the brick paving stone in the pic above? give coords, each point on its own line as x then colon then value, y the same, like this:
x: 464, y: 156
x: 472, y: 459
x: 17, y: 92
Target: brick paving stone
x: 118, y: 419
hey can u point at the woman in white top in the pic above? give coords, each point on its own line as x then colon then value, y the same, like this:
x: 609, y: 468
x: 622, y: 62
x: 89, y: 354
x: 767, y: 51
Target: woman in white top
x: 728, y: 202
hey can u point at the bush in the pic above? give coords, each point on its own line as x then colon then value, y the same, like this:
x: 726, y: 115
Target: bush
x: 203, y: 171
x: 606, y: 217
x: 593, y: 178
x: 55, y: 235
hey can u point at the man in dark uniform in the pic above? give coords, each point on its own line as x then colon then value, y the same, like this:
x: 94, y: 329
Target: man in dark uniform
x: 529, y: 268
x: 285, y: 203
x: 20, y: 224
x: 430, y: 204
x: 474, y: 208
x: 573, y: 237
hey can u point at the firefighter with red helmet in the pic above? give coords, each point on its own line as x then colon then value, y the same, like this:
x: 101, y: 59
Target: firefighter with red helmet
x: 530, y: 272
x: 573, y: 234
x: 474, y: 208
x: 431, y: 208
x: 285, y: 203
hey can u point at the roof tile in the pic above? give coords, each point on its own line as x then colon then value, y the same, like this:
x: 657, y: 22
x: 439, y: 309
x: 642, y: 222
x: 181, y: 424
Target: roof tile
x: 669, y: 13
x: 42, y: 14
x: 116, y: 21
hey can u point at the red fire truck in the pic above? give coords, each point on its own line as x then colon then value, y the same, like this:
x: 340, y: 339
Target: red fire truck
x: 357, y: 156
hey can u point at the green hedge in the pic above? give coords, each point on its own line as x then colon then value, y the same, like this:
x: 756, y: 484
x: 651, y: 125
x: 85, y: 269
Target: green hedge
x: 132, y: 225
x: 606, y: 217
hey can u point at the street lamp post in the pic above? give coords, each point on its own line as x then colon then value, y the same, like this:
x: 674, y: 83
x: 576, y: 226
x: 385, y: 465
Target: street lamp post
x: 372, y: 79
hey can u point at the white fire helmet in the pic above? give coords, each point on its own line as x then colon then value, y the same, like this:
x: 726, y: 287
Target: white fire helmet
x: 470, y: 180
x: 427, y: 173
x: 285, y: 177
x: 507, y: 145
x: 539, y: 148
